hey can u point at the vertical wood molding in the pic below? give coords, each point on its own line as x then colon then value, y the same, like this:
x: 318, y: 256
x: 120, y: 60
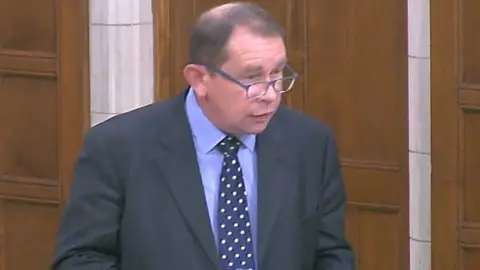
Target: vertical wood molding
x: 161, y: 44
x: 444, y: 117
x: 74, y: 83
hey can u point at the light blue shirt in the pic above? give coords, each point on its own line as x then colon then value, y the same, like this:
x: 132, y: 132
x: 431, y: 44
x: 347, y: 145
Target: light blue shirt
x: 206, y: 136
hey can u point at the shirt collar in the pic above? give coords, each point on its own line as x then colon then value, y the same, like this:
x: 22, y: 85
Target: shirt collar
x: 206, y: 135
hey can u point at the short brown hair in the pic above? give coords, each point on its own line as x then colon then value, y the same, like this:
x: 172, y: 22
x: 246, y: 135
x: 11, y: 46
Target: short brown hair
x: 213, y: 29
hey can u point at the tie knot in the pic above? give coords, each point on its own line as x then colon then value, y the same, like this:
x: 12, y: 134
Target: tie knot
x: 229, y: 145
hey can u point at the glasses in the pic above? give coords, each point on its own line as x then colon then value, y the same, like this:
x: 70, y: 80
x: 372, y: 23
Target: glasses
x: 259, y: 89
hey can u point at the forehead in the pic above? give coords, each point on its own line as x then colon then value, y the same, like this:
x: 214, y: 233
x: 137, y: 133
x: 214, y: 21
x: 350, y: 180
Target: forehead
x: 250, y: 50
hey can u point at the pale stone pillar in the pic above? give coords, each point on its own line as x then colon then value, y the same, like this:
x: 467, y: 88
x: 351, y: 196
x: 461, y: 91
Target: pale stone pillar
x: 121, y: 56
x: 419, y: 132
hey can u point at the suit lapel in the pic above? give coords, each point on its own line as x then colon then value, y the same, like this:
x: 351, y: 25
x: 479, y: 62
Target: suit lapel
x: 180, y: 170
x: 272, y: 179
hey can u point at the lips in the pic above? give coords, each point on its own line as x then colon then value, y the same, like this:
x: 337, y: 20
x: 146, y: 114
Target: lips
x: 263, y: 114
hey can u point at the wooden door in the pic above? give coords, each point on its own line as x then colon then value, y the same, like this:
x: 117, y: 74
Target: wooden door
x: 455, y: 103
x: 43, y: 112
x: 352, y: 57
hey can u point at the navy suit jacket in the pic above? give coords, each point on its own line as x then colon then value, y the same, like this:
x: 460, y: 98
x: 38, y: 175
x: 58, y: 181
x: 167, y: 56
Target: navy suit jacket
x: 137, y: 201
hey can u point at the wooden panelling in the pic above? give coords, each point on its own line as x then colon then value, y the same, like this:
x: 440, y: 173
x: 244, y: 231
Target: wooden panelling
x: 469, y: 41
x: 28, y: 63
x: 470, y: 257
x: 352, y: 60
x: 28, y: 113
x: 358, y: 61
x: 43, y: 113
x: 370, y: 226
x: 470, y: 149
x: 29, y: 229
x: 373, y: 182
x: 28, y: 25
x: 2, y: 236
x: 455, y: 57
x: 16, y: 189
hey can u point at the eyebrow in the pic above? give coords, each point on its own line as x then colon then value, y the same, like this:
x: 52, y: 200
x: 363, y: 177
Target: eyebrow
x: 282, y: 63
x: 253, y: 69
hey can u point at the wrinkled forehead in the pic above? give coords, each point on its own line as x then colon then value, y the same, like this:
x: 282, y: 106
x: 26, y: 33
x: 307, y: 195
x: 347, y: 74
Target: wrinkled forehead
x: 255, y: 52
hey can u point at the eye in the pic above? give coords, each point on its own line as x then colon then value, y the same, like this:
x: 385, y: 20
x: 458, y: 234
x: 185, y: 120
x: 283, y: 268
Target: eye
x: 276, y: 72
x: 253, y: 76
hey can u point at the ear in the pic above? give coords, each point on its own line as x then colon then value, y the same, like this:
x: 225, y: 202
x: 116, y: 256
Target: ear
x: 196, y: 76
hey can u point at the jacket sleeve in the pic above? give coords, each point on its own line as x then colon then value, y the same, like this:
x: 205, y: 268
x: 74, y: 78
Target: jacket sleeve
x: 333, y: 250
x: 88, y: 233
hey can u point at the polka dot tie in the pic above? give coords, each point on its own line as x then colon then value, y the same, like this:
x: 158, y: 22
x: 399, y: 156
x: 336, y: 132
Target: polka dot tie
x: 235, y: 247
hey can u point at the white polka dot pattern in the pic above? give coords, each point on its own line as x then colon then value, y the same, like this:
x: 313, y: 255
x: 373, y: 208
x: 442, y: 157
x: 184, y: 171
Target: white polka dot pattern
x: 236, y: 247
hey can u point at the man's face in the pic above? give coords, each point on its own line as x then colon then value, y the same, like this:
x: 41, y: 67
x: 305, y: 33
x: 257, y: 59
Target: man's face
x: 251, y: 59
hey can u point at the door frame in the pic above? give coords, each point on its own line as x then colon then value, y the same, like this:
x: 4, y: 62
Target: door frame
x: 161, y: 44
x: 73, y: 31
x: 444, y: 130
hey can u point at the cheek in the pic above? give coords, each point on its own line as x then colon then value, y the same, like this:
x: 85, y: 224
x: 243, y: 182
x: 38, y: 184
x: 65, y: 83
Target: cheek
x: 231, y: 101
x: 279, y: 100
x: 235, y: 102
x: 242, y: 105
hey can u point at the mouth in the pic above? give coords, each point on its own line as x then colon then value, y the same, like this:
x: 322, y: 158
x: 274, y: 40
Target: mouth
x: 263, y: 115
x: 262, y: 118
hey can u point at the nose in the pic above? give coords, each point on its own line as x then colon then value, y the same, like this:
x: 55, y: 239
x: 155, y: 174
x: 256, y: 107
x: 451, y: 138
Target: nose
x: 270, y: 94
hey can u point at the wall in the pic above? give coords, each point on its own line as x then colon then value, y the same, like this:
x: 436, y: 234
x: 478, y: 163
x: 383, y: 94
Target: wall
x: 455, y: 123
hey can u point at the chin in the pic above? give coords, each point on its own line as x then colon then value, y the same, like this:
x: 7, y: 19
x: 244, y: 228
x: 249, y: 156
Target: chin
x: 256, y: 128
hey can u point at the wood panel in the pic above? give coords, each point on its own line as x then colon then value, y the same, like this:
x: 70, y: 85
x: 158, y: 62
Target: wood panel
x: 352, y: 58
x: 455, y: 58
x: 43, y: 113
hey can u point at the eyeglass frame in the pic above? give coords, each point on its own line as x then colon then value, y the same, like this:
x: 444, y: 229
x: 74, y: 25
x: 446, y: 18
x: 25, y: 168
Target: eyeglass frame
x: 246, y: 87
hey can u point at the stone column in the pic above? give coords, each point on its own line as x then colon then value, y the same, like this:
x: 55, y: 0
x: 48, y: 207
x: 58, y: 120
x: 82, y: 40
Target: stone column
x: 121, y: 56
x: 419, y: 132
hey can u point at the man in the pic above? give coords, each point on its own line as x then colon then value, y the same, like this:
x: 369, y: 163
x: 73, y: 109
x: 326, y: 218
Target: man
x: 220, y: 177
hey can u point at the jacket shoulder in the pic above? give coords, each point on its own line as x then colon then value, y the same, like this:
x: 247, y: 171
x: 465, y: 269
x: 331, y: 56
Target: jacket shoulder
x: 301, y: 125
